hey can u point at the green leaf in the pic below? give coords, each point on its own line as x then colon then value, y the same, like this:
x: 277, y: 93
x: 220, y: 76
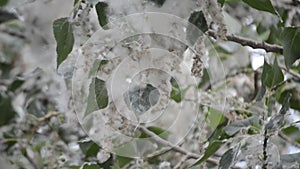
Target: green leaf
x: 101, y: 12
x: 197, y: 19
x: 290, y: 130
x: 176, y: 93
x: 210, y: 150
x: 101, y: 64
x: 205, y: 80
x: 214, y: 117
x: 75, y: 2
x: 290, y: 39
x: 128, y: 148
x: 63, y: 33
x: 6, y: 16
x: 219, y: 133
x: 140, y: 99
x: 101, y: 93
x: 91, y: 166
x: 98, y: 97
x: 91, y: 100
x: 273, y: 37
x: 284, y: 13
x: 115, y: 167
x: 108, y: 163
x: 271, y: 75
x: 261, y: 93
x: 92, y: 150
x: 159, y: 3
x: 97, y: 67
x: 277, y: 121
x: 228, y: 158
x: 221, y: 2
x: 158, y: 131
x: 16, y: 84
x: 7, y: 112
x: 3, y: 2
x: 123, y: 161
x: 262, y: 5
x: 296, y: 68
x: 89, y: 148
x: 236, y: 126
x: 5, y: 70
x: 286, y: 104
x: 295, y: 99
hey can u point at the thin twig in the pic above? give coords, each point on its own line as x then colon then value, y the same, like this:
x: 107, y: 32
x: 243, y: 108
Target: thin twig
x: 289, y: 20
x: 228, y: 76
x: 289, y: 140
x: 48, y: 116
x: 249, y: 42
x: 40, y: 121
x: 296, y: 75
x: 166, y: 143
x: 15, y: 34
x: 158, y: 153
x: 295, y: 122
x: 190, y: 155
x: 280, y: 84
x: 180, y: 163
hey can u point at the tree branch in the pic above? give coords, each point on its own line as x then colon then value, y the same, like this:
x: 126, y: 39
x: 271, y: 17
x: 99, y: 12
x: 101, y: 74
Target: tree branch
x: 15, y: 34
x: 158, y: 153
x: 289, y: 140
x: 166, y: 143
x: 48, y: 116
x: 229, y: 76
x: 248, y: 42
x: 40, y: 121
x: 265, y: 154
x: 180, y: 163
x: 294, y: 74
x: 188, y: 155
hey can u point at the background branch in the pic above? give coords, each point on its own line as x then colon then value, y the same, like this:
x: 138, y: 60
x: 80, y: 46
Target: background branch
x: 288, y: 139
x: 166, y: 143
x: 248, y: 42
x: 180, y: 163
x: 15, y: 34
x: 289, y: 71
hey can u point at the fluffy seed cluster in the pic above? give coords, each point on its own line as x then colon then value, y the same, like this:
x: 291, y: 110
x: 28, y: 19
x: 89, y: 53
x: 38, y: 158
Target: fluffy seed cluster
x: 216, y: 13
x: 213, y: 11
x: 83, y: 27
x: 200, y: 50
